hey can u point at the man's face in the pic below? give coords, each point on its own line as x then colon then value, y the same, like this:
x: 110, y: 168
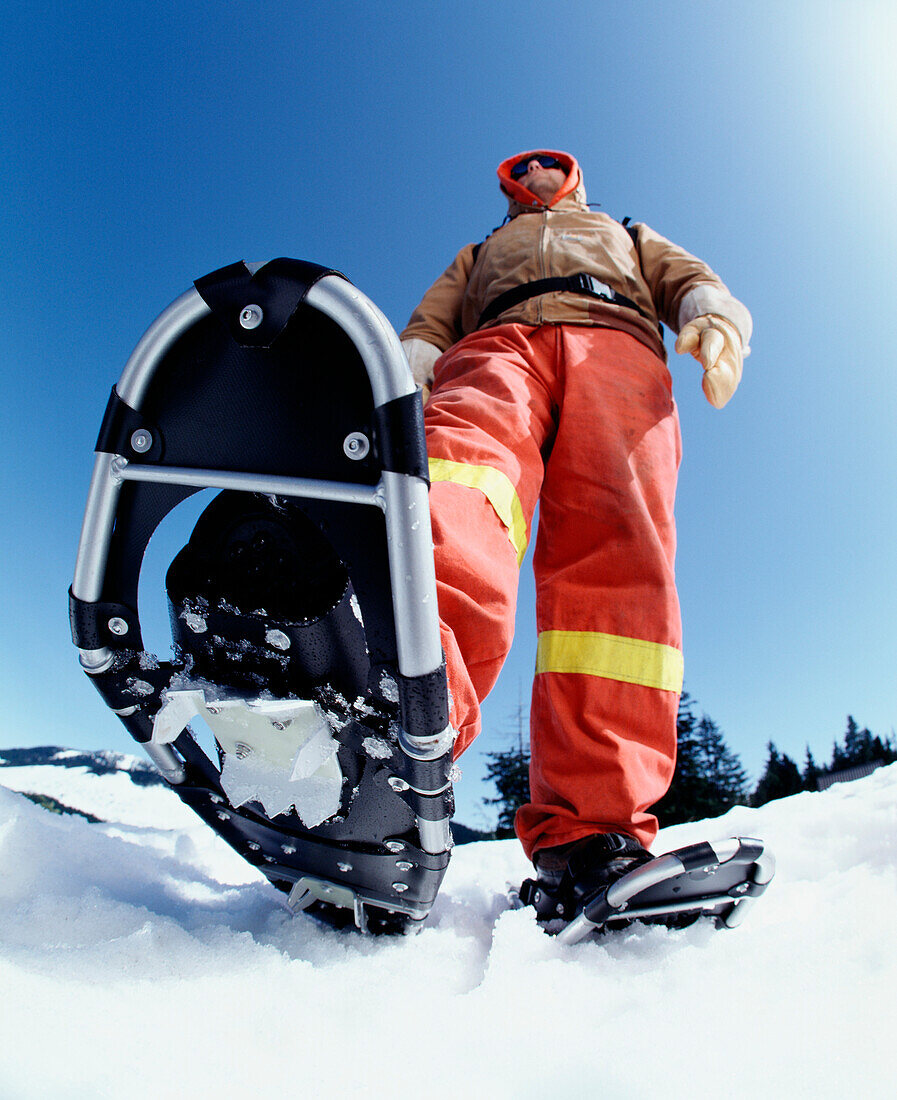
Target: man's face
x: 543, y: 182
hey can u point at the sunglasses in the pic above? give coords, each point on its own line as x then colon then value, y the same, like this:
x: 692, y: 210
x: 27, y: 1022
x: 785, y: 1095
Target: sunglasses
x: 522, y: 166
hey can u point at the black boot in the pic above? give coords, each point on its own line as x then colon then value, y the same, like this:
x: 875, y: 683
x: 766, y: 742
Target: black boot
x: 570, y: 875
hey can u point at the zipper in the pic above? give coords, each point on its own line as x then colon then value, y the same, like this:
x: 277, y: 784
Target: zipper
x: 543, y: 254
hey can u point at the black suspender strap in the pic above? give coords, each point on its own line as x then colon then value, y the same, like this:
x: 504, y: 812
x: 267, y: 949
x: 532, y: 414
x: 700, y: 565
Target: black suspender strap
x: 579, y: 284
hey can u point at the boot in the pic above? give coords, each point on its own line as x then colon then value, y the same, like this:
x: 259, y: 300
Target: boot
x: 569, y: 875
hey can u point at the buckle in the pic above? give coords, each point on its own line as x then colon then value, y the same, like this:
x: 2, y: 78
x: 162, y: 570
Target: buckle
x: 591, y: 285
x: 547, y: 906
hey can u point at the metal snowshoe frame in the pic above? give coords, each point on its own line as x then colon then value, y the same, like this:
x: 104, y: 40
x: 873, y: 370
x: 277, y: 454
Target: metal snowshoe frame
x: 283, y: 379
x: 719, y: 879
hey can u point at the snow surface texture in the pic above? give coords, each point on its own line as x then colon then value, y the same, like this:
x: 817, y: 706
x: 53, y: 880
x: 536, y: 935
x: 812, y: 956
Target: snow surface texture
x: 142, y: 958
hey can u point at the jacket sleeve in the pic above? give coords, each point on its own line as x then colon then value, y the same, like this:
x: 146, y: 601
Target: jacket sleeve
x: 438, y: 317
x: 684, y: 287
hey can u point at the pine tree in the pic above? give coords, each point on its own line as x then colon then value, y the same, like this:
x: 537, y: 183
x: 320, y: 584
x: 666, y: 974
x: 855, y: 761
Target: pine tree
x: 854, y: 743
x: 811, y: 772
x: 509, y: 772
x: 722, y: 768
x: 861, y: 747
x: 709, y: 778
x: 780, y: 779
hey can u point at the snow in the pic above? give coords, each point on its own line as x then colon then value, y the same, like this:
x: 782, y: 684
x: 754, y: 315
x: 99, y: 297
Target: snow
x: 142, y: 958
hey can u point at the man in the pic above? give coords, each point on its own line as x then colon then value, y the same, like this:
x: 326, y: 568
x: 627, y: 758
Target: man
x: 544, y: 375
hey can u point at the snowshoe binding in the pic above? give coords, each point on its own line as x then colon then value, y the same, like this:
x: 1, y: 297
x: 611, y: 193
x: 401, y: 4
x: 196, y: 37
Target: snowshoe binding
x: 607, y: 881
x: 303, y: 607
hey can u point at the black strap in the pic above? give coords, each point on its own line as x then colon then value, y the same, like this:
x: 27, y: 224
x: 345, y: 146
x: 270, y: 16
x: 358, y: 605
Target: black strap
x: 276, y: 289
x: 578, y: 284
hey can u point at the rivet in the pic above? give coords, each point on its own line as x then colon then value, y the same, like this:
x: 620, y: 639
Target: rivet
x: 356, y: 446
x: 251, y: 316
x: 141, y: 441
x: 400, y: 887
x: 397, y: 784
x: 118, y: 626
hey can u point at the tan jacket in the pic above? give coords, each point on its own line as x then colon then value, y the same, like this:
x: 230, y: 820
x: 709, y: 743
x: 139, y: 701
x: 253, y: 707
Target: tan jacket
x: 567, y: 238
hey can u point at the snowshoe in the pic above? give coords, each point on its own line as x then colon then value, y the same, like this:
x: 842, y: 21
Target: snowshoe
x: 610, y: 881
x: 303, y: 607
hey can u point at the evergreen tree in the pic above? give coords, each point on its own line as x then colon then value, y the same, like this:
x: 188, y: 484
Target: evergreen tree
x: 811, y: 772
x: 709, y: 778
x: 854, y: 743
x: 509, y: 772
x: 722, y: 768
x: 780, y: 779
x: 861, y: 747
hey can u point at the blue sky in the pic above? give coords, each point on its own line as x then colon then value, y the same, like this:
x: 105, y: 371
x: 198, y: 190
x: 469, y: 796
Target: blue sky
x: 146, y: 144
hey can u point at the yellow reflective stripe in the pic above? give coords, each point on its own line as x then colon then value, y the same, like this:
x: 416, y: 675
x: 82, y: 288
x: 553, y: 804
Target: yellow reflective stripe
x: 628, y: 659
x: 496, y: 487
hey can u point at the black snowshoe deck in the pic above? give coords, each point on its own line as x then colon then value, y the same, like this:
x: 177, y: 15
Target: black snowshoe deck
x: 303, y: 607
x: 719, y: 879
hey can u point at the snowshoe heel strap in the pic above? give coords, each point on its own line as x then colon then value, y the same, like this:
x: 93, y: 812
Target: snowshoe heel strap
x: 547, y: 905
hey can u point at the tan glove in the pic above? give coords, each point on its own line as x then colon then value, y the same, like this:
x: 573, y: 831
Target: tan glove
x: 716, y: 344
x: 421, y: 355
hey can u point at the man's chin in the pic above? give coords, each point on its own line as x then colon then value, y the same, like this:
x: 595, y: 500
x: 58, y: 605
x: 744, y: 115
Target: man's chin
x: 546, y: 194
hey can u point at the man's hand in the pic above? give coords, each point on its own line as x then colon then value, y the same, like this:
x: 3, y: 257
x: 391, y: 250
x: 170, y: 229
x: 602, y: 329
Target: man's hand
x: 716, y: 344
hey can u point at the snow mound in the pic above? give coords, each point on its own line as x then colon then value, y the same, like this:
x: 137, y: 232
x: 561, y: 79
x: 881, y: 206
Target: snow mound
x: 141, y: 957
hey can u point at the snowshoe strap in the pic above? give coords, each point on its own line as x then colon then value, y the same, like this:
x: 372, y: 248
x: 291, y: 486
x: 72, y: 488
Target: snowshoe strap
x: 547, y: 905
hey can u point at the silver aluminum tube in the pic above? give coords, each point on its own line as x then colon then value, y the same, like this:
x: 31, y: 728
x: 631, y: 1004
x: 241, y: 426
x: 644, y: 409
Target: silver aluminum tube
x: 155, y: 342
x: 96, y: 530
x: 249, y: 483
x: 726, y: 849
x: 99, y: 515
x: 658, y: 870
x: 435, y: 836
x: 407, y: 505
x: 370, y: 332
x: 411, y: 571
x: 166, y: 761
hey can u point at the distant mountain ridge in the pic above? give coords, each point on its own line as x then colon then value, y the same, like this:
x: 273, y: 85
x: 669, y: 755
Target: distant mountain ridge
x: 99, y: 762
x: 140, y: 772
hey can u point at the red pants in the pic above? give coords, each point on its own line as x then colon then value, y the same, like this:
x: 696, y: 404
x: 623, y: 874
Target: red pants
x: 581, y: 420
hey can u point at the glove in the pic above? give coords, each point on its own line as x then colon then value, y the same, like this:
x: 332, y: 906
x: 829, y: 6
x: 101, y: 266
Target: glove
x: 421, y: 355
x: 716, y: 344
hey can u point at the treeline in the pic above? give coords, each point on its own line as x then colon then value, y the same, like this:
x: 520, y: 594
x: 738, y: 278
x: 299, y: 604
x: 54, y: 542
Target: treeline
x: 709, y: 777
x: 859, y: 747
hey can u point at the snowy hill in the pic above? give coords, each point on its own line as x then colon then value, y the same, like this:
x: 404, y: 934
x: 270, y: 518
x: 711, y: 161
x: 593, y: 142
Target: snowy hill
x: 140, y: 957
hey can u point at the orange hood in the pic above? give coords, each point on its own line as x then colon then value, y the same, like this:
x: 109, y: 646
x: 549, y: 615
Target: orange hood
x: 520, y: 198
